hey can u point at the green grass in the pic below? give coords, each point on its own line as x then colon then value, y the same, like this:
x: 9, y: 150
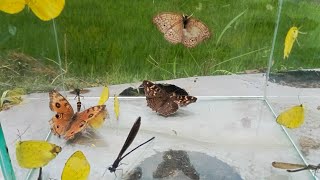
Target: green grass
x: 110, y: 42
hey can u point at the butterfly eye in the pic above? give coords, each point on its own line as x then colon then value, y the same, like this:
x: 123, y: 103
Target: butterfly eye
x: 58, y: 105
x: 57, y: 126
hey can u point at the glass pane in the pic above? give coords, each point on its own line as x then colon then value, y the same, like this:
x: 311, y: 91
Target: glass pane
x: 294, y: 78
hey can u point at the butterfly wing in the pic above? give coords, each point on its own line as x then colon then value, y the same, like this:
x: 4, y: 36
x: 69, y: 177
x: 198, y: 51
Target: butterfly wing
x: 174, y: 35
x: 60, y: 122
x: 171, y: 88
x: 116, y: 106
x: 76, y: 167
x: 35, y: 154
x: 185, y: 100
x: 46, y: 9
x: 12, y: 6
x: 194, y: 32
x: 81, y: 120
x: 152, y: 90
x: 165, y: 21
x: 97, y: 121
x: 159, y: 100
x: 171, y: 24
x: 104, y: 96
x: 292, y: 118
x: 165, y: 108
x: 289, y: 41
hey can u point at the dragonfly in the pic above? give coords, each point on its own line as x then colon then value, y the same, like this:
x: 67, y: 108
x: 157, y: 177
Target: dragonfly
x: 77, y: 92
x: 295, y: 167
x: 132, y: 134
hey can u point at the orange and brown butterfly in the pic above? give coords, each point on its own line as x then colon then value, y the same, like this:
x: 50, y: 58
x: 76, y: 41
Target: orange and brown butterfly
x: 66, y: 123
x: 164, y: 100
x: 77, y: 92
x: 180, y: 28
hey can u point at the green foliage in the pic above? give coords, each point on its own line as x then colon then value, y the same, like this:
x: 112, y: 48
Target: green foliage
x: 115, y: 41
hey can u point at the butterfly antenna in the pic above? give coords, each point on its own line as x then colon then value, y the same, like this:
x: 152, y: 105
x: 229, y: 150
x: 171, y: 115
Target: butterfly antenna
x: 20, y: 134
x: 300, y: 31
x: 299, y: 96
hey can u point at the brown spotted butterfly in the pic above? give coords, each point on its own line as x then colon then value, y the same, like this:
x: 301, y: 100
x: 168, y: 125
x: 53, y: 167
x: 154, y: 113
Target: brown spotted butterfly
x: 165, y: 102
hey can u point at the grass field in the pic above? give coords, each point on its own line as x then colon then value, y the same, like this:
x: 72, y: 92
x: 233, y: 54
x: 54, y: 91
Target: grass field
x: 109, y: 42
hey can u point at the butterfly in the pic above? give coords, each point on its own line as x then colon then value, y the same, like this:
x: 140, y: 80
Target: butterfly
x: 35, y: 154
x: 291, y: 37
x: 77, y: 92
x: 295, y: 167
x: 292, y: 118
x: 43, y: 9
x: 116, y: 106
x: 97, y: 121
x: 76, y: 167
x: 104, y: 95
x: 67, y: 123
x: 132, y: 134
x: 163, y: 102
x: 183, y: 29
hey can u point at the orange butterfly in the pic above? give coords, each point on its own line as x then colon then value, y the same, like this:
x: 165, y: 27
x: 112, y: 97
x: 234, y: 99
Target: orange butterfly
x: 66, y: 123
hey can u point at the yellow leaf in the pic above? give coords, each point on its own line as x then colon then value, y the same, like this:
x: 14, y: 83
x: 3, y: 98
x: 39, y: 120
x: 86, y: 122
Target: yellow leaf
x: 35, y: 154
x: 116, y: 106
x: 43, y: 9
x: 104, y: 96
x: 292, y: 118
x: 77, y: 167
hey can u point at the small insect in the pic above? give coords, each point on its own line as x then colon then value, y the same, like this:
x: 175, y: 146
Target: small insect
x: 291, y: 37
x: 295, y: 167
x: 77, y: 92
x: 132, y: 134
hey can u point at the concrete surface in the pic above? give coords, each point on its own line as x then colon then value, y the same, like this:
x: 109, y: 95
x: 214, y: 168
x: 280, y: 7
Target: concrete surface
x: 240, y: 132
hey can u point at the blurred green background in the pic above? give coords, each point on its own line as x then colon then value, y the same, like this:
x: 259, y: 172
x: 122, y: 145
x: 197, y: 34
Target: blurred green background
x: 110, y: 42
